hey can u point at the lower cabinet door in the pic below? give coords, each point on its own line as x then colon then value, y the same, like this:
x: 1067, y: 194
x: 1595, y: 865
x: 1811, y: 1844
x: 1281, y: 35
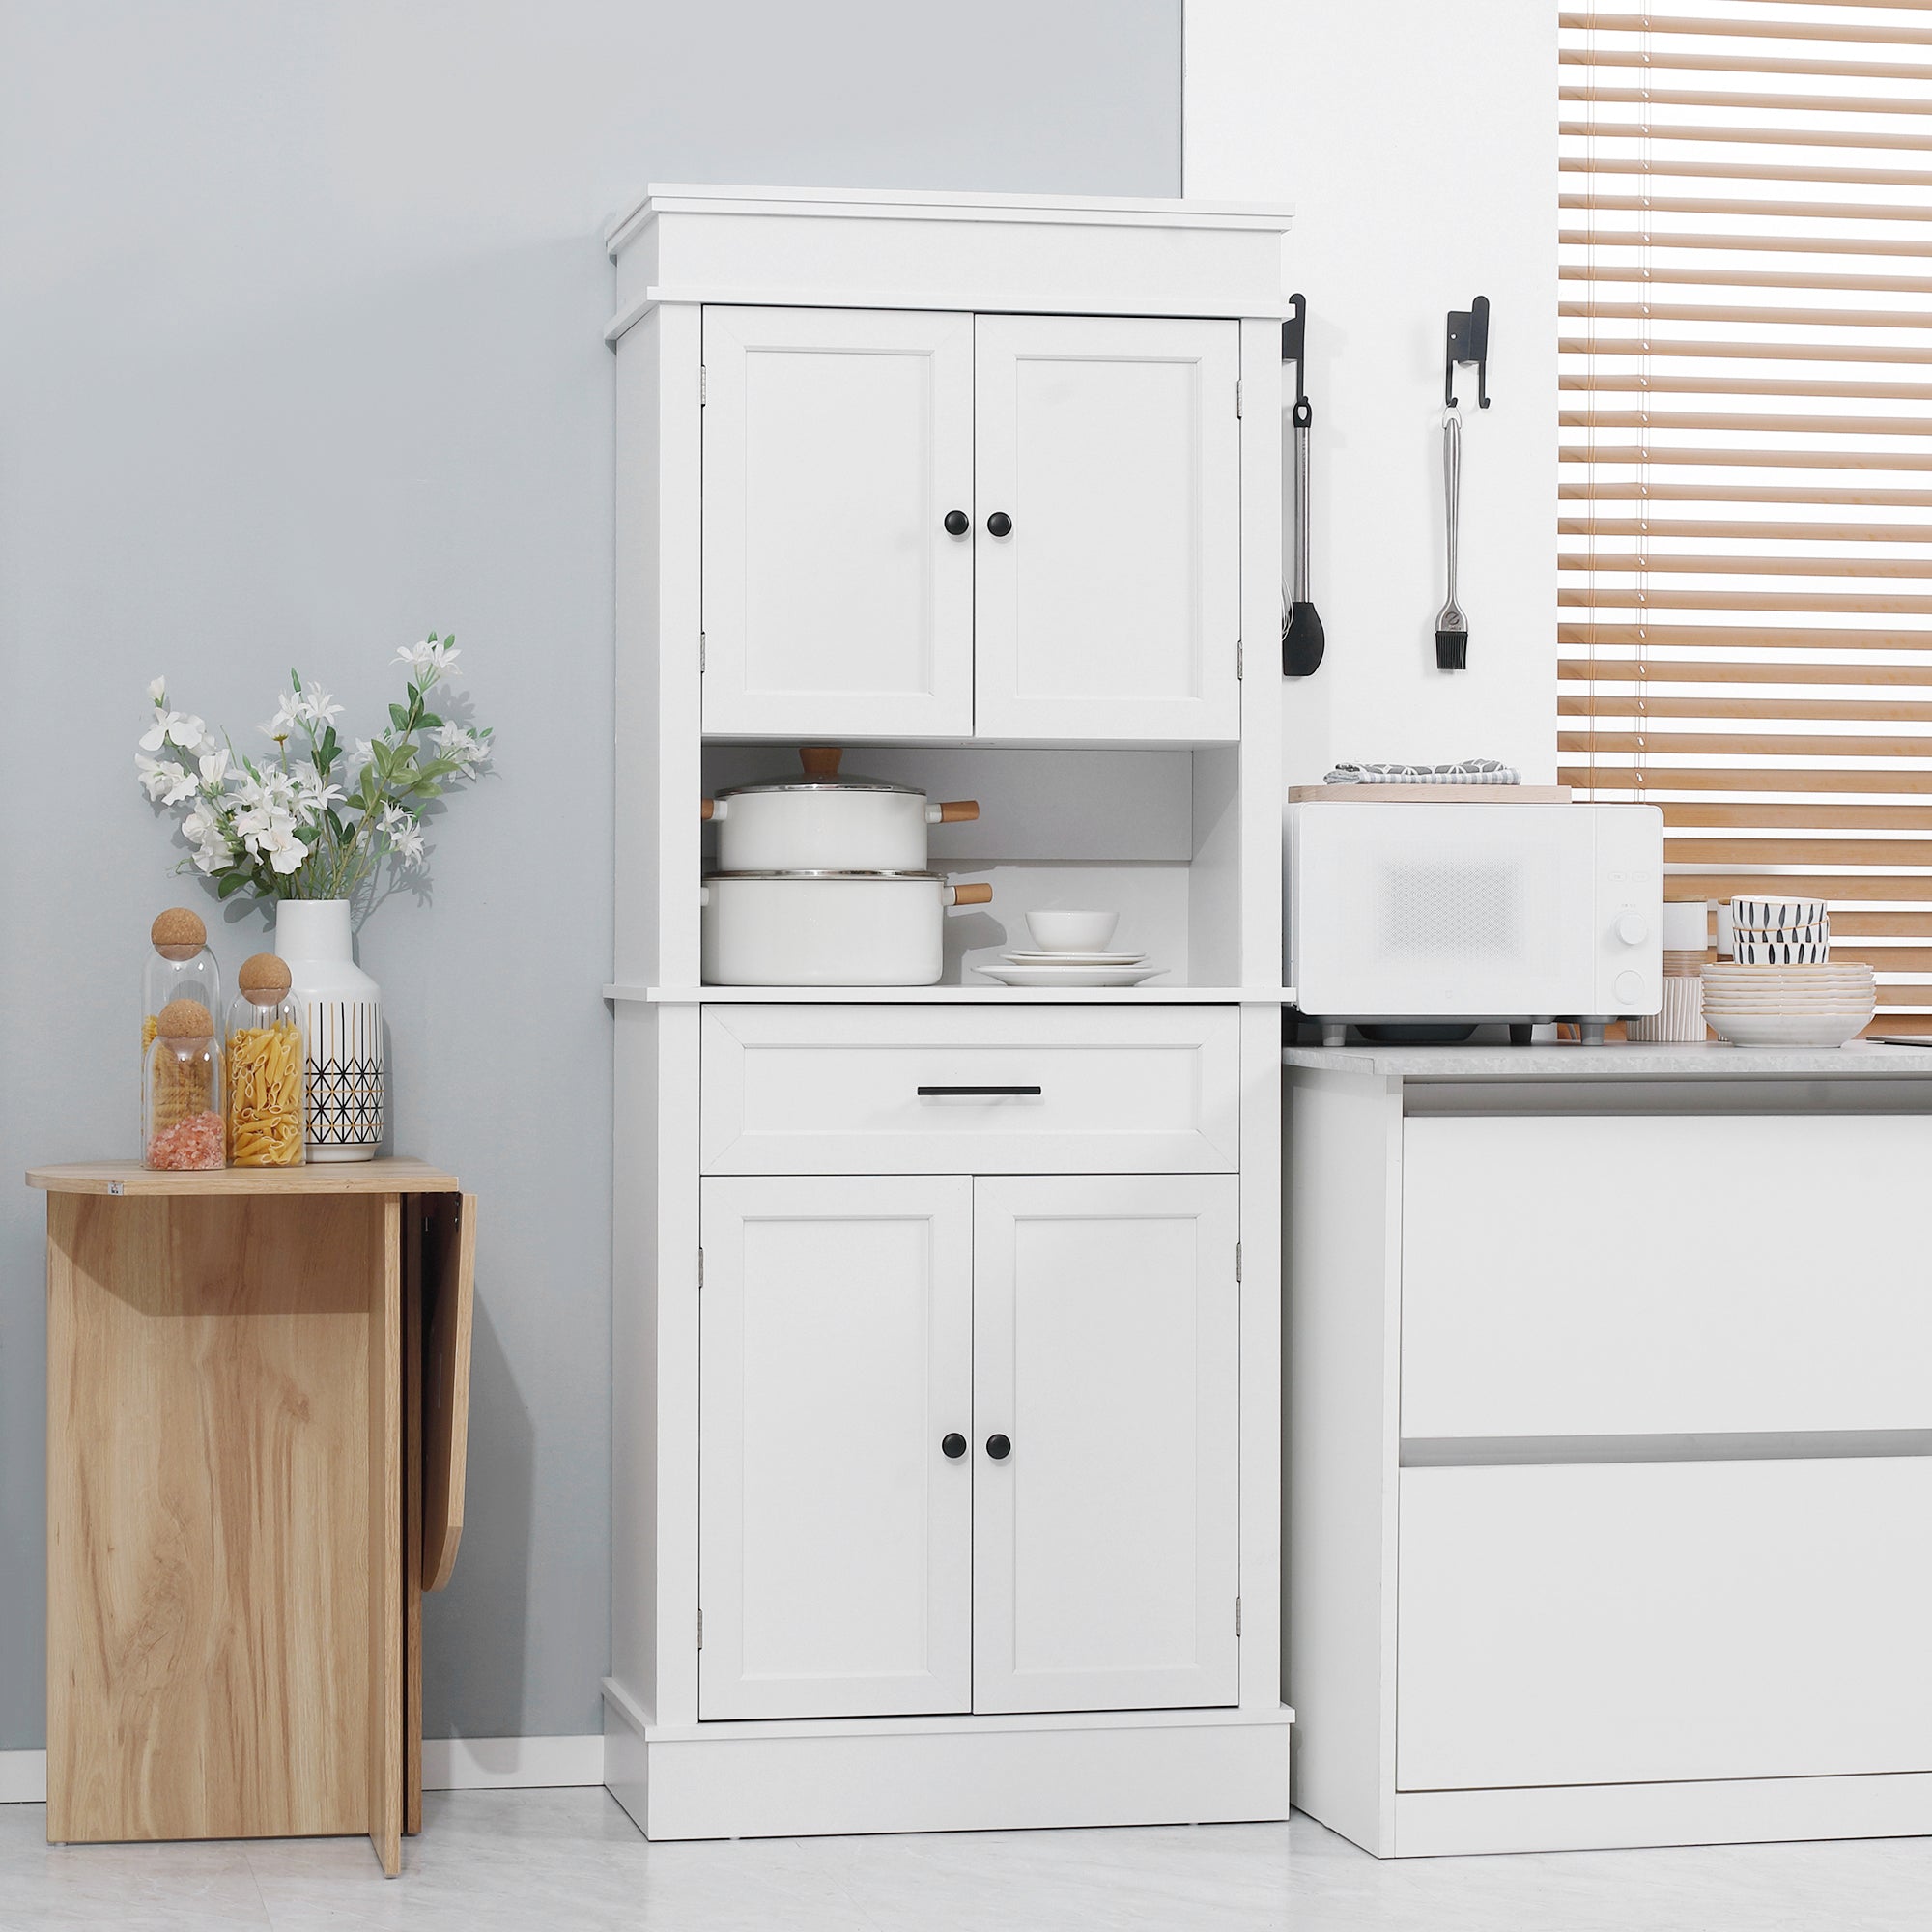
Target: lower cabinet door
x: 1106, y: 1398
x: 835, y: 1533
x: 1609, y: 1624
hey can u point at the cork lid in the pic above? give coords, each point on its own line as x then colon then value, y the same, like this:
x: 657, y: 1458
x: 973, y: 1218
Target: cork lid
x: 264, y: 977
x: 185, y: 1020
x: 178, y: 933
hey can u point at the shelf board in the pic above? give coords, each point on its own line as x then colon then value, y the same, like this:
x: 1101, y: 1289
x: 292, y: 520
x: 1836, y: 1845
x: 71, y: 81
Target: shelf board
x: 398, y: 1176
x: 989, y: 995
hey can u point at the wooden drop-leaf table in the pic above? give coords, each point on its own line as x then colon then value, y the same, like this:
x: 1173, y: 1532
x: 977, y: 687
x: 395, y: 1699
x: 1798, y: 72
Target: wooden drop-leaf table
x: 257, y: 1411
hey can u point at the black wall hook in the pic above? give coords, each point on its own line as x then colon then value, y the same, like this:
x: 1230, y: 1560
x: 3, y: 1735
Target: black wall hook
x: 1468, y: 341
x: 1294, y: 348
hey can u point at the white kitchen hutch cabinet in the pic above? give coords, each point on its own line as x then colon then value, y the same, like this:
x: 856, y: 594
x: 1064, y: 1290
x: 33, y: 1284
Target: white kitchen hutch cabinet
x: 947, y: 1471
x: 1610, y: 1445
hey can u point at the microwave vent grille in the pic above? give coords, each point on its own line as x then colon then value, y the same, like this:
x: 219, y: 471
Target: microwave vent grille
x: 1453, y: 910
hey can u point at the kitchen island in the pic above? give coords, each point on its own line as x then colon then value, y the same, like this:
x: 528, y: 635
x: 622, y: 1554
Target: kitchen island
x: 1610, y: 1441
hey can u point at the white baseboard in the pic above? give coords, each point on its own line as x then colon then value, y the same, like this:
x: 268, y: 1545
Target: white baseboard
x: 23, y: 1778
x: 449, y: 1764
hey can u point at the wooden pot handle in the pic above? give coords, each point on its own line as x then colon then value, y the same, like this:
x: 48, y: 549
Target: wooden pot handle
x: 960, y: 811
x: 971, y: 895
x: 704, y: 810
x: 820, y: 761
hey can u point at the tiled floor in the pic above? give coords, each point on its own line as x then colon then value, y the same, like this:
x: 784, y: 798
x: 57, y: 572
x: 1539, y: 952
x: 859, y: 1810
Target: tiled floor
x: 490, y: 1862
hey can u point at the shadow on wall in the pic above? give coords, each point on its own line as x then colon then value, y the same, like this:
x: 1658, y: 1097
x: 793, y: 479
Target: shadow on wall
x: 473, y: 1632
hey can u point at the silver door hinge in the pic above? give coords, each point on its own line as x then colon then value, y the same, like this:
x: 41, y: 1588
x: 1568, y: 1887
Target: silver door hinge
x: 1238, y: 1616
x: 1238, y: 1261
x: 1240, y: 659
x: 704, y: 385
x: 701, y: 1268
x: 701, y: 653
x: 1238, y: 396
x: 701, y: 1627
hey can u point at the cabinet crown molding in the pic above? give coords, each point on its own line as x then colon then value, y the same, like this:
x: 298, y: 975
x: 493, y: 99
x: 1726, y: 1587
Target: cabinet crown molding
x: 901, y: 248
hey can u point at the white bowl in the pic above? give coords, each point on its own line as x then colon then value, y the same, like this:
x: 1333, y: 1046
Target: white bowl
x: 1788, y: 1030
x: 1072, y: 931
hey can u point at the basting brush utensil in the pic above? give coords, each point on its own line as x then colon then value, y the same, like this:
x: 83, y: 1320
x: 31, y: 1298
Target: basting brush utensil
x: 1452, y: 627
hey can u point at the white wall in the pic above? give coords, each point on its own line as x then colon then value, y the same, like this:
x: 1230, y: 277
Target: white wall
x: 301, y: 351
x: 1418, y: 143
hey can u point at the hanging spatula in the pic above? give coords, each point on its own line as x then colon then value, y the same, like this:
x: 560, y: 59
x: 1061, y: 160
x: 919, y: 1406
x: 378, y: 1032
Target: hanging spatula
x: 1451, y: 628
x: 1302, y: 638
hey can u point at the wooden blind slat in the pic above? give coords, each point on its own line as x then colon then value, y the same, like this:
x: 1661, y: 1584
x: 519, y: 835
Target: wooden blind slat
x: 1782, y: 30
x: 1746, y: 637
x: 1886, y: 959
x: 1704, y: 167
x: 1707, y: 242
x: 1647, y: 704
x: 1748, y: 566
x: 1810, y: 389
x: 1642, y: 489
x: 1649, y: 274
x: 1752, y: 744
x: 1703, y: 204
x: 1777, y: 103
x: 1661, y: 527
x: 1641, y: 778
x: 1748, y: 352
x: 1643, y: 597
x: 1751, y: 459
x: 1744, y: 422
x: 1904, y: 889
x: 1797, y: 851
x: 1820, y: 814
x: 1783, y: 137
x: 1782, y: 318
x: 1704, y: 63
x: 1700, y: 670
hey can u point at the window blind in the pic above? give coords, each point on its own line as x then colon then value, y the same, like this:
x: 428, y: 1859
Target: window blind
x: 1744, y: 531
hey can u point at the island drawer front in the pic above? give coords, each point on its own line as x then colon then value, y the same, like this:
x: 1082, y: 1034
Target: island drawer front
x: 1603, y: 1625
x: 1020, y: 1090
x: 1676, y: 1274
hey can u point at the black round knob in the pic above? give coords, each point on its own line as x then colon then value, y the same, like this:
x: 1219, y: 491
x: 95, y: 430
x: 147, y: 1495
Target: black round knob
x: 999, y: 1447
x: 999, y: 523
x: 954, y: 1445
x: 957, y: 522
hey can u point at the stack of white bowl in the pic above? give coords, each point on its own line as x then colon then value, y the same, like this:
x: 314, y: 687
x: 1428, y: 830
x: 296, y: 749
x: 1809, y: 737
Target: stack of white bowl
x: 1782, y: 989
x: 1069, y: 949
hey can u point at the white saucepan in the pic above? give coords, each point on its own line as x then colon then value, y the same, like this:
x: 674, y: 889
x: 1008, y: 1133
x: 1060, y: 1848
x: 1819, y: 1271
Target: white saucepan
x: 819, y: 822
x: 827, y: 929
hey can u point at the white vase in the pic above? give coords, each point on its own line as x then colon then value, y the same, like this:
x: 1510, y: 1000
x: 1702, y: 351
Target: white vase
x: 343, y: 1008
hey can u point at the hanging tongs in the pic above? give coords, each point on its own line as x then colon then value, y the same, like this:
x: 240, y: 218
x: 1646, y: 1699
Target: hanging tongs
x: 1301, y: 635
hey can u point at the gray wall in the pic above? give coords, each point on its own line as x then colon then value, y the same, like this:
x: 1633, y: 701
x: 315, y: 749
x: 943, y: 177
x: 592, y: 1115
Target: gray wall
x: 299, y: 321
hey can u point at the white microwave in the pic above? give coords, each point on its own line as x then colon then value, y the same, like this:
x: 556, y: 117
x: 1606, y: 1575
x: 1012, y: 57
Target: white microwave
x: 1508, y: 911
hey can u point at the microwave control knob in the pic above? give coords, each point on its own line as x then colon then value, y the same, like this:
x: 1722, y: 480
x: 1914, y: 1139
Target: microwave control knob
x: 1631, y: 988
x: 1632, y: 928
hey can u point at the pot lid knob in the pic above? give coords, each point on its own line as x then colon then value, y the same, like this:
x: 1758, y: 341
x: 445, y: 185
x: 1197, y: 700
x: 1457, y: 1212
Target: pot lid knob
x: 820, y: 761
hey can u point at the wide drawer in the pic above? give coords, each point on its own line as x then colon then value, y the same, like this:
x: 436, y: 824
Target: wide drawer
x: 1608, y: 1624
x: 1684, y: 1274
x: 1025, y: 1090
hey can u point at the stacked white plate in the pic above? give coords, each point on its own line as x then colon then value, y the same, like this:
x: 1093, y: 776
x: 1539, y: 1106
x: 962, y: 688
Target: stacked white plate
x: 1789, y: 1005
x: 1071, y: 969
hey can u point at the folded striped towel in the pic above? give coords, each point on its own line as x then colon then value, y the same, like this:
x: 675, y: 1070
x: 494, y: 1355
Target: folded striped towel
x: 1470, y: 771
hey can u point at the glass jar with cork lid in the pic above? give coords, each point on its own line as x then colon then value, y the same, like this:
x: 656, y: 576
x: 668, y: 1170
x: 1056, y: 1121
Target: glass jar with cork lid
x: 179, y: 967
x: 182, y: 1125
x: 266, y: 1126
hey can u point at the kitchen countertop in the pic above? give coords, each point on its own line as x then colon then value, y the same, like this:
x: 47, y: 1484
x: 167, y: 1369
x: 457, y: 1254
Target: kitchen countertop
x: 1615, y: 1061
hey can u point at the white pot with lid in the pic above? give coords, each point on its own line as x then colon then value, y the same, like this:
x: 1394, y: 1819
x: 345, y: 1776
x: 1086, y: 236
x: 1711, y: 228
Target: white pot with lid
x: 828, y: 928
x: 816, y: 821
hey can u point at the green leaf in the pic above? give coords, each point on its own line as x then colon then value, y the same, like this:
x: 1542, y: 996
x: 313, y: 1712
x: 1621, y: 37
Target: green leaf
x: 295, y: 677
x: 399, y: 717
x: 232, y: 883
x: 429, y: 720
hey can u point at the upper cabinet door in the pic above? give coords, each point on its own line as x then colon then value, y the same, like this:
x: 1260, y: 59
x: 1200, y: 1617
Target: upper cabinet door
x: 834, y: 1531
x: 1107, y: 534
x: 836, y: 602
x: 1106, y: 1376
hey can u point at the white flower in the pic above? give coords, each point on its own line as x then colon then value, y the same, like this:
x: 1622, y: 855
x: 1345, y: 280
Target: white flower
x: 157, y: 776
x: 183, y: 785
x: 174, y: 727
x: 213, y: 769
x: 429, y: 660
x: 458, y: 743
x: 316, y: 707
x: 282, y: 849
x: 158, y: 693
x: 403, y: 834
x: 203, y: 830
x: 309, y: 793
x: 288, y: 715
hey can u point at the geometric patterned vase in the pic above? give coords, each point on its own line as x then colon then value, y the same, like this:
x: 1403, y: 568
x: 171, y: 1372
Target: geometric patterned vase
x: 344, y: 1014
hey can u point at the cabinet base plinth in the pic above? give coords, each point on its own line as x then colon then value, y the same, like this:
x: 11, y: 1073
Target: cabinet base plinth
x: 1704, y: 1811
x: 757, y: 1781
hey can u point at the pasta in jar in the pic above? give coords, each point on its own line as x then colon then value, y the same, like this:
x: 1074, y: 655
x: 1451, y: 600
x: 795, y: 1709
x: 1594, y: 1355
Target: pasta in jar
x: 266, y: 1126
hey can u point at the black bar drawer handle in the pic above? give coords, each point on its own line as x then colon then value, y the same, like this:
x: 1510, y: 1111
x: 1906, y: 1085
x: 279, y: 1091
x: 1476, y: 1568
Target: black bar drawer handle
x: 924, y: 1091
